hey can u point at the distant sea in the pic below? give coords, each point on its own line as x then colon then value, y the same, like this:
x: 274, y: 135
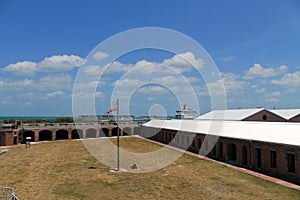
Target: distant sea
x: 26, y: 117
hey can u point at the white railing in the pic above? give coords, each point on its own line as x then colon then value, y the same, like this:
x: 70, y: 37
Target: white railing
x: 7, y: 193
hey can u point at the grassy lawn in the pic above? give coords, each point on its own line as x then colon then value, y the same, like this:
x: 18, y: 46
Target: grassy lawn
x: 66, y: 170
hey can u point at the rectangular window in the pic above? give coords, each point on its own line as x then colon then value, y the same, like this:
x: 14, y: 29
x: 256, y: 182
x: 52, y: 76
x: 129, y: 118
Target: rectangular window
x: 199, y: 143
x: 291, y: 162
x: 215, y: 151
x: 221, y: 149
x: 258, y: 158
x: 273, y: 159
x: 244, y: 155
x: 193, y: 144
x: 187, y: 141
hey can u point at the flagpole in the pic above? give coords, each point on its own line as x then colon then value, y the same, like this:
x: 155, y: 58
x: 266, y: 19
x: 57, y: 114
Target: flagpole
x: 118, y: 138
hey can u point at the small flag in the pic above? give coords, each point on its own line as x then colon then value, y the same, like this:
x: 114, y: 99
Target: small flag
x: 114, y: 108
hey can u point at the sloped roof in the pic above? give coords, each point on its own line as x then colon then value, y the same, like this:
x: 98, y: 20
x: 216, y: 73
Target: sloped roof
x: 274, y: 132
x: 233, y: 115
x: 286, y: 113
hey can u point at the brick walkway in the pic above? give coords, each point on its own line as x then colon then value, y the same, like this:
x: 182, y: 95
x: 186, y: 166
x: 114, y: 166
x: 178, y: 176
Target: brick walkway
x: 246, y: 171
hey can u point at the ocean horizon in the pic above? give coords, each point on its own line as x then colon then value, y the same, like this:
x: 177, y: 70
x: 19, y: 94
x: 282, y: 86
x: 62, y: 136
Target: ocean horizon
x: 30, y: 117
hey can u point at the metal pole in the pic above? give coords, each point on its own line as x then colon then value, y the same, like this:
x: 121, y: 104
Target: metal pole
x: 118, y: 138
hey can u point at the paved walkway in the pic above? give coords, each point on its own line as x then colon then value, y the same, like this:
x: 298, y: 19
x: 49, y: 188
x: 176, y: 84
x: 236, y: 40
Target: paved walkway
x: 246, y: 171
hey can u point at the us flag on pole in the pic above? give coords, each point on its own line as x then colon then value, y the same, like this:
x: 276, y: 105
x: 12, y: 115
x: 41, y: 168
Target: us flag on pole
x: 114, y: 108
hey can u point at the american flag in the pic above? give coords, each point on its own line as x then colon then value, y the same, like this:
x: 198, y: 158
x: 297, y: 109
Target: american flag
x: 114, y: 108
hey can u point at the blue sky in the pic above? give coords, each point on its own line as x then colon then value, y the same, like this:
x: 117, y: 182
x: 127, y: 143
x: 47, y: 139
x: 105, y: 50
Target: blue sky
x: 255, y: 45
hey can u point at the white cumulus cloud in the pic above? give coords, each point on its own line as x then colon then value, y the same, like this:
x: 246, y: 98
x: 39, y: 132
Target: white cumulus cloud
x: 290, y: 79
x: 184, y: 62
x: 257, y: 71
x: 99, y: 55
x: 25, y: 68
x: 50, y: 64
x: 60, y: 63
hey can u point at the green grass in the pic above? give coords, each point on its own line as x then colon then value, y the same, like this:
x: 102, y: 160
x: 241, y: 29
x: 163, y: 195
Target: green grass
x: 66, y: 170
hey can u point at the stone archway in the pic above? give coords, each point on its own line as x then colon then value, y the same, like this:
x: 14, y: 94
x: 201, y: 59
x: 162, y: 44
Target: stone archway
x: 77, y: 134
x: 61, y: 134
x: 104, y: 132
x: 127, y: 131
x: 28, y: 133
x: 136, y: 131
x: 45, y: 135
x: 91, y: 133
x: 114, y: 131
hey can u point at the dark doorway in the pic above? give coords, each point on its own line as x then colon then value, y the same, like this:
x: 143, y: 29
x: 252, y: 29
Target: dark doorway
x: 104, y: 132
x: 62, y: 134
x: 28, y: 133
x: 221, y: 150
x: 244, y: 155
x: 45, y: 135
x: 114, y: 131
x: 291, y: 162
x: 77, y: 134
x: 232, y: 152
x: 258, y: 158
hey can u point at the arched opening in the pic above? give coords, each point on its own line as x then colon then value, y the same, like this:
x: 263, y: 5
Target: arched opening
x: 77, y: 134
x: 221, y: 150
x: 61, y: 134
x: 244, y: 155
x: 127, y: 131
x: 91, y: 133
x: 114, y: 131
x: 28, y: 133
x: 137, y: 131
x: 45, y: 135
x: 104, y: 132
x: 232, y: 152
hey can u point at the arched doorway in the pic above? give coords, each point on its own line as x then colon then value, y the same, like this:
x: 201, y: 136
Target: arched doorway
x: 232, y: 153
x: 28, y: 133
x: 104, y: 132
x: 114, y: 131
x: 77, y: 134
x: 61, y: 134
x: 127, y: 131
x: 137, y: 131
x: 91, y: 133
x: 45, y: 135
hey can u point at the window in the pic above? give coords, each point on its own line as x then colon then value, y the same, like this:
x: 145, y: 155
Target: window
x: 291, y: 162
x: 232, y: 152
x: 199, y: 143
x: 187, y: 141
x: 273, y: 159
x: 264, y: 117
x: 215, y: 151
x: 258, y: 157
x: 244, y: 155
x: 193, y: 144
x: 221, y: 149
